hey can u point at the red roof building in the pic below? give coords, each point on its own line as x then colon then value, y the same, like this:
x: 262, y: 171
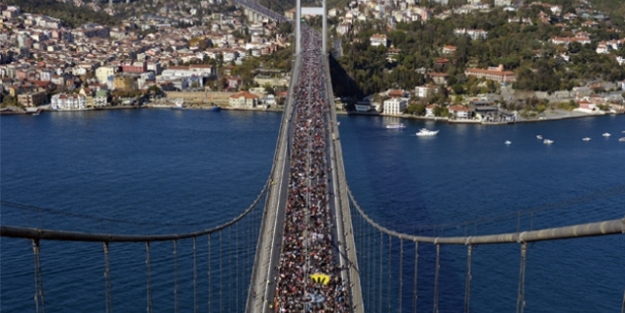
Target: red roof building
x: 495, y: 74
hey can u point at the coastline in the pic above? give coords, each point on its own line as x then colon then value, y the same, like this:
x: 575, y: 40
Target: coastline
x: 549, y: 116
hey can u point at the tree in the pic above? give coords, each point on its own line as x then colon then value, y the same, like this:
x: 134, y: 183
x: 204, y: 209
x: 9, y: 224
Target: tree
x: 8, y: 100
x: 154, y: 91
x: 574, y: 47
x: 441, y: 111
x: 269, y: 89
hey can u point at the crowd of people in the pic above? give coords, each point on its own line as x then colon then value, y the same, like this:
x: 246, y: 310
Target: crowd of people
x: 309, y: 278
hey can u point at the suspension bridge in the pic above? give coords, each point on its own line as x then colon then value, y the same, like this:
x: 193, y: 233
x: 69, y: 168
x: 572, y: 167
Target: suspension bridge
x: 304, y: 244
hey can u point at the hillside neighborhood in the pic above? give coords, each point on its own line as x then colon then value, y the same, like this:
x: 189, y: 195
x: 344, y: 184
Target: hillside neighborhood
x: 178, y: 51
x: 89, y: 65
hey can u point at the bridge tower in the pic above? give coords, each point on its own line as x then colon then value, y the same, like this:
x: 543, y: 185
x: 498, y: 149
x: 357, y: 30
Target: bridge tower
x: 299, y: 11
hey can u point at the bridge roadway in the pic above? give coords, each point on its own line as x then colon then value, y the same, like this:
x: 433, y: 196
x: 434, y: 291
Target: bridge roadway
x: 266, y: 264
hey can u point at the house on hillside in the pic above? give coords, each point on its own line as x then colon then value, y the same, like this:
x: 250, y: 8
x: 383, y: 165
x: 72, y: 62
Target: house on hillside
x: 493, y: 73
x: 378, y: 40
x: 460, y: 112
x: 243, y: 100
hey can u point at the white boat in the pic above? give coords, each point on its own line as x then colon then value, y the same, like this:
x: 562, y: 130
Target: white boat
x: 424, y: 132
x: 586, y: 139
x: 178, y: 104
x: 508, y: 142
x: 395, y: 126
x: 622, y: 139
x: 606, y: 135
x: 547, y: 141
x: 539, y: 137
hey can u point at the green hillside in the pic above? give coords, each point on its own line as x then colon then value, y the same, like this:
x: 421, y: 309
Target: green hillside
x: 70, y: 15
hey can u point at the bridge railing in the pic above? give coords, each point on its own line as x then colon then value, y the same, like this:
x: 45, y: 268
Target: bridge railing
x: 377, y: 265
x: 228, y: 259
x: 259, y: 294
x: 346, y: 232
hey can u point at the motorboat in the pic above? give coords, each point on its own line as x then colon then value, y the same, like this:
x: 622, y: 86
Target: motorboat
x: 424, y: 132
x: 622, y: 139
x: 508, y: 142
x: 178, y: 104
x: 539, y: 137
x: 586, y: 139
x: 606, y: 135
x: 396, y: 126
x: 216, y: 108
x: 547, y: 141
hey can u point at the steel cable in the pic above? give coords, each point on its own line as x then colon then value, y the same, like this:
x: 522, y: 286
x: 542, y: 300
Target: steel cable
x: 107, y: 279
x: 467, y: 285
x: 39, y: 295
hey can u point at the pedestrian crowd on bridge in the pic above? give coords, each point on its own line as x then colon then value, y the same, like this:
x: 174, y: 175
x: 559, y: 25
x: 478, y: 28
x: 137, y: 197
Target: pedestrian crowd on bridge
x: 308, y: 247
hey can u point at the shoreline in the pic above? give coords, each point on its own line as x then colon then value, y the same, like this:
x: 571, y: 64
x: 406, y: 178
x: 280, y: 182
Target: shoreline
x: 555, y: 115
x: 523, y: 120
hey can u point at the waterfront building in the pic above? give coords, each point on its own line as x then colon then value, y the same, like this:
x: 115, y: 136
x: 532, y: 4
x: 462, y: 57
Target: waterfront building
x: 32, y: 99
x: 586, y: 106
x: 101, y: 98
x: 395, y: 106
x: 68, y: 102
x: 365, y: 107
x: 460, y: 112
x: 429, y: 110
x: 243, y: 99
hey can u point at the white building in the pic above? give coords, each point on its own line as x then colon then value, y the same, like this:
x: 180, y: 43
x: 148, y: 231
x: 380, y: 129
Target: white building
x: 65, y: 102
x: 243, y: 99
x: 101, y: 98
x: 429, y: 110
x: 607, y: 46
x: 566, y: 40
x: 472, y: 33
x: 105, y: 75
x: 502, y: 3
x: 343, y: 28
x: 460, y: 112
x: 45, y: 75
x: 378, y: 40
x: 424, y: 91
x: 395, y: 106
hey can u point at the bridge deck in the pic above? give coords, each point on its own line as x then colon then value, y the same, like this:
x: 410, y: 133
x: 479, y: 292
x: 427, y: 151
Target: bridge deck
x: 272, y: 271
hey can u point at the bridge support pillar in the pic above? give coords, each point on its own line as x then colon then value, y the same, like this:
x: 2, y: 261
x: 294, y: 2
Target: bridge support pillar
x: 298, y: 27
x: 324, y: 35
x: 311, y: 11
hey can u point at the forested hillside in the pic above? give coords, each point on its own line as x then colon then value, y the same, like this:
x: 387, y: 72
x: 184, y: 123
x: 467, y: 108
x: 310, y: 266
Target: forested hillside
x: 70, y: 15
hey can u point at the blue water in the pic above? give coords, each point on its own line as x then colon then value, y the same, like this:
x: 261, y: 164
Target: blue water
x: 183, y: 167
x: 467, y: 173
